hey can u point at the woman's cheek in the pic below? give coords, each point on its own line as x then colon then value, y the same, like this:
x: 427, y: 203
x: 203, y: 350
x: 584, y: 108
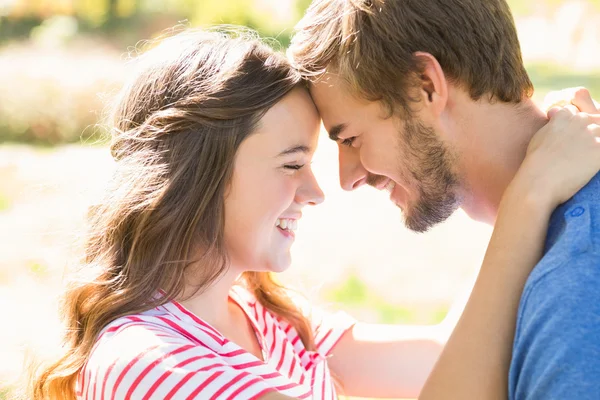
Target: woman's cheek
x: 287, y: 191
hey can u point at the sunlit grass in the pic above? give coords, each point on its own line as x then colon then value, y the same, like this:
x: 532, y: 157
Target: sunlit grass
x: 4, y: 393
x: 362, y: 300
x: 547, y: 77
x: 4, y: 202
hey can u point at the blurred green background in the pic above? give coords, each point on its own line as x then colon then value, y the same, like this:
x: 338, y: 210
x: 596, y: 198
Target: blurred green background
x: 60, y: 62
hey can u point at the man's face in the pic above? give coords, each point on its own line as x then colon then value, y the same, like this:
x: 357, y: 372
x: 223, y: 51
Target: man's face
x: 405, y: 158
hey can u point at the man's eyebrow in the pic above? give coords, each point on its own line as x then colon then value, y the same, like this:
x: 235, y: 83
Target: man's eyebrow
x: 334, y: 132
x: 295, y: 149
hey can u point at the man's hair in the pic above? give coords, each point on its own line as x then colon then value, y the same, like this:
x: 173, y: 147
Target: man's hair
x: 371, y: 44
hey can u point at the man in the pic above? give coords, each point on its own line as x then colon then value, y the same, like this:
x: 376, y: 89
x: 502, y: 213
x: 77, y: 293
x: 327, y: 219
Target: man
x: 429, y: 99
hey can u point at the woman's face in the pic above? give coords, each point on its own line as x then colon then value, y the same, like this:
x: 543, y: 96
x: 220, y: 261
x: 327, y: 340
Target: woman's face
x: 272, y: 182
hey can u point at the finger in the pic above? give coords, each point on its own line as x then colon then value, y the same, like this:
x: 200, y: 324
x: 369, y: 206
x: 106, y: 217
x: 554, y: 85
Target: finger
x: 571, y: 108
x: 565, y: 113
x: 560, y: 98
x: 594, y: 119
x: 552, y: 112
x: 583, y: 101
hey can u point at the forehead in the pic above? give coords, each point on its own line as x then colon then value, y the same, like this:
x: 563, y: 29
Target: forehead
x: 336, y: 104
x: 293, y: 120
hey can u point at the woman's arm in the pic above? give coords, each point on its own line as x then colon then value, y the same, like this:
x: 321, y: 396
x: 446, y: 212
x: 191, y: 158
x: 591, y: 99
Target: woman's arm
x: 395, y: 359
x: 375, y: 360
x: 386, y: 361
x: 275, y: 396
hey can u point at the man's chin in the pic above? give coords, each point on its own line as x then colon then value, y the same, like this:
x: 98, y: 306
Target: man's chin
x: 417, y: 225
x: 422, y: 218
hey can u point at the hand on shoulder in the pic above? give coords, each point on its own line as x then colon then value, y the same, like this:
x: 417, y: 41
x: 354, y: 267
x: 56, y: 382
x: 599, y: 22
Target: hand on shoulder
x: 564, y: 155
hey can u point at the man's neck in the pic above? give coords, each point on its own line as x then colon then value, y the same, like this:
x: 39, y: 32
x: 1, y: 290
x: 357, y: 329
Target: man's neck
x: 497, y: 136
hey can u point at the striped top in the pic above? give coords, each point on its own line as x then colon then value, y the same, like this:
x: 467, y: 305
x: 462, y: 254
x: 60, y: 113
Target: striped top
x: 169, y: 353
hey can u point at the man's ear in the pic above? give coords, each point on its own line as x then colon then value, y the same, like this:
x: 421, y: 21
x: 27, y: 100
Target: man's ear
x: 434, y: 86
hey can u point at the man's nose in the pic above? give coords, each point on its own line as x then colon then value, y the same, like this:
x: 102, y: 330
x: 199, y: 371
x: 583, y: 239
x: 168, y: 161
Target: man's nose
x: 352, y: 173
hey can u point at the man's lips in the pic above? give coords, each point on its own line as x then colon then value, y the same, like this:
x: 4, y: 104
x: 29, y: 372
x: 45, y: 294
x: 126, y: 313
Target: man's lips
x: 397, y: 192
x: 377, y: 180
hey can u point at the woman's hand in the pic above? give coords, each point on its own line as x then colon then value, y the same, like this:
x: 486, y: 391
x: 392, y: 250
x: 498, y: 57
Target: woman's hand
x: 562, y: 157
x: 577, y: 96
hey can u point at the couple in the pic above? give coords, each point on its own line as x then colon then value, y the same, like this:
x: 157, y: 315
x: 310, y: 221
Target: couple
x: 213, y: 139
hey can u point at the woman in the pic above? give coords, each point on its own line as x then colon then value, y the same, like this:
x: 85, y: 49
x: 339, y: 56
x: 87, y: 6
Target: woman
x: 213, y: 140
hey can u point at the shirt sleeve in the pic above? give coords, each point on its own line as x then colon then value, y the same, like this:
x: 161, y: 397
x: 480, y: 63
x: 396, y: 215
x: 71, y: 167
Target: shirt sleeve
x: 557, y: 344
x: 329, y: 328
x: 169, y: 369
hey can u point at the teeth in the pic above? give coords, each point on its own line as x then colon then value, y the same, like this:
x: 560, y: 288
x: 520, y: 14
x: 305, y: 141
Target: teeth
x: 288, y: 224
x: 390, y: 186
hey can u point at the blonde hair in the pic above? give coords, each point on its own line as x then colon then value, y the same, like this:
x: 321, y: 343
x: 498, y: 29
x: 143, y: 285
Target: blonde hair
x: 176, y: 128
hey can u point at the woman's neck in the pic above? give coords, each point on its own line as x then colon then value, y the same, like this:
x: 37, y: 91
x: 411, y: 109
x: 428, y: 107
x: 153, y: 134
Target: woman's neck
x: 212, y: 304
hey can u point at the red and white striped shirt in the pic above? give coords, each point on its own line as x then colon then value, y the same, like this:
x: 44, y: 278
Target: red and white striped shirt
x: 169, y: 353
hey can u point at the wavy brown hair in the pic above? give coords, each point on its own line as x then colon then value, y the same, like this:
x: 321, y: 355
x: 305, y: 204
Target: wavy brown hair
x: 176, y: 129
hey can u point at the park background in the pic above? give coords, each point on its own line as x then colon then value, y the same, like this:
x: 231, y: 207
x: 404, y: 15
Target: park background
x: 62, y: 60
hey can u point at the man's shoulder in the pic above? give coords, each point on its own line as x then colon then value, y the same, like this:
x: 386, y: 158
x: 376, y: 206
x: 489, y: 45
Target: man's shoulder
x: 556, y: 337
x: 571, y: 261
x: 573, y: 236
x: 559, y: 282
x: 559, y: 313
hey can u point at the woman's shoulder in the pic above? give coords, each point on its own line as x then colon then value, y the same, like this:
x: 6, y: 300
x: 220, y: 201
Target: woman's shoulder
x: 139, y: 347
x: 149, y: 325
x: 137, y: 334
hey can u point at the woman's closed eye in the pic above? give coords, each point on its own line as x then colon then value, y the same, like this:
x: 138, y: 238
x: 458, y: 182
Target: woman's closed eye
x: 294, y: 167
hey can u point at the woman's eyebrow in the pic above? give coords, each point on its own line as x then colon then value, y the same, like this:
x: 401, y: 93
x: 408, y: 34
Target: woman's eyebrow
x: 295, y: 149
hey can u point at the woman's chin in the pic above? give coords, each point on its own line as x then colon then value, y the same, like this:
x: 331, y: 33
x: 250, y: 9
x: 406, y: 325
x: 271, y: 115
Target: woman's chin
x: 281, y: 264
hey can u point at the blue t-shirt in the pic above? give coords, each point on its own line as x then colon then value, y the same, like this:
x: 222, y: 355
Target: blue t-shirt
x: 556, y: 352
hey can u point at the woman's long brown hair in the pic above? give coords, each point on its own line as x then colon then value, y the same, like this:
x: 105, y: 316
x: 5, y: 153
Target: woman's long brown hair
x: 176, y: 128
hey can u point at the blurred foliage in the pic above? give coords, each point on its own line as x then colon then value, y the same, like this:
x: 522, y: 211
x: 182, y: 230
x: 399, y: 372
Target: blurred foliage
x: 52, y: 97
x: 366, y: 304
x: 302, y: 6
x: 547, y: 77
x: 134, y: 20
x: 5, y: 203
x: 38, y: 269
x: 529, y: 7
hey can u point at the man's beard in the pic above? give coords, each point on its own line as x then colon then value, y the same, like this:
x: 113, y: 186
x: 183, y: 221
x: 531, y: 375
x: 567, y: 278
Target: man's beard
x: 429, y: 164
